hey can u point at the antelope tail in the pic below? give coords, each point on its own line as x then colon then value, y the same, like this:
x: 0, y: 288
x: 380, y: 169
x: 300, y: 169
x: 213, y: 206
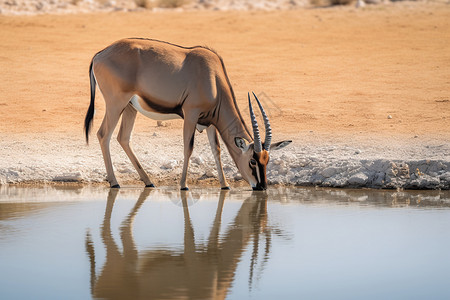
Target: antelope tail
x: 91, y: 253
x: 90, y: 113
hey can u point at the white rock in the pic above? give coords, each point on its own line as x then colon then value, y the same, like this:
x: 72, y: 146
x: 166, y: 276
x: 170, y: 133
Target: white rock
x: 198, y: 160
x: 68, y: 177
x: 170, y: 164
x: 445, y: 176
x: 360, y: 3
x: 210, y: 173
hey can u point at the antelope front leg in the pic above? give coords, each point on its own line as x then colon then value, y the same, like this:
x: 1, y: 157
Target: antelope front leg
x: 188, y: 141
x: 130, y: 253
x: 215, y: 147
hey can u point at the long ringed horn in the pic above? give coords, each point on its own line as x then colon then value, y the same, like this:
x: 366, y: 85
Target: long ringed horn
x: 268, y: 139
x: 257, y: 138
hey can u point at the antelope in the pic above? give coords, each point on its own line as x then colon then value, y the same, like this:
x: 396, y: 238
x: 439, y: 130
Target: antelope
x: 164, y: 81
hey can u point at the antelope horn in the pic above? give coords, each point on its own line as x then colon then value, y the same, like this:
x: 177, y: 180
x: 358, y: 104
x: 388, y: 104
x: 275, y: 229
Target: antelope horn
x: 268, y: 138
x: 257, y: 138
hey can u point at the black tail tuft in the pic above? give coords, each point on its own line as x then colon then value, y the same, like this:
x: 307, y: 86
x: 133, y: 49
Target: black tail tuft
x: 90, y: 113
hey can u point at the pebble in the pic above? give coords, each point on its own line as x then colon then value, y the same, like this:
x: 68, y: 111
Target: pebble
x: 197, y: 160
x: 170, y: 164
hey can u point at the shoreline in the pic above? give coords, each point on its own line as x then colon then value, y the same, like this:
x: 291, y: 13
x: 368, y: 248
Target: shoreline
x: 344, y: 162
x: 316, y: 196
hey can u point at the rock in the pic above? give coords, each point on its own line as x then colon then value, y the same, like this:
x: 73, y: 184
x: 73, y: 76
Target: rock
x: 162, y: 124
x: 125, y: 170
x: 10, y: 2
x: 400, y: 170
x: 198, y: 160
x: 39, y: 5
x: 360, y: 3
x: 423, y: 182
x: 209, y: 174
x: 358, y: 179
x: 389, y: 117
x: 329, y: 172
x: 378, y: 179
x: 445, y: 180
x: 12, y: 172
x: 68, y: 177
x: 170, y: 164
x: 237, y: 176
x: 277, y: 161
x: 445, y: 176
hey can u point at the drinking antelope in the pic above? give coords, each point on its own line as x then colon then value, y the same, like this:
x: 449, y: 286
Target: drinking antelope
x: 165, y: 81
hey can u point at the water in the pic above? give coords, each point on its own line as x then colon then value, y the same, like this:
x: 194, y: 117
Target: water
x: 288, y: 243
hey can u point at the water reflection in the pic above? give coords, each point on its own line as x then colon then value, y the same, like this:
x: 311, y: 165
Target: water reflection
x: 291, y: 243
x: 362, y: 197
x: 202, y: 271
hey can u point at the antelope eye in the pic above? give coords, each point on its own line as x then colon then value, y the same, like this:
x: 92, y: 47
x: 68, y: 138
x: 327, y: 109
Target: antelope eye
x: 253, y: 162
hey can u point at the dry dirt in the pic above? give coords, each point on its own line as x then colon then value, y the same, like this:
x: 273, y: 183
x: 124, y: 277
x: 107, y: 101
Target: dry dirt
x: 335, y: 72
x: 327, y: 70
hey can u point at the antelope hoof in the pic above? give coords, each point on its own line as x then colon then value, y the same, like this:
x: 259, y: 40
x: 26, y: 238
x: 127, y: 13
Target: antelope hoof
x: 185, y: 189
x: 151, y: 185
x: 258, y: 189
x: 116, y: 186
x: 225, y: 188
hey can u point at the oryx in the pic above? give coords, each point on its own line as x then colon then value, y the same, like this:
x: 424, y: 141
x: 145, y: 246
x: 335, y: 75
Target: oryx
x: 164, y: 81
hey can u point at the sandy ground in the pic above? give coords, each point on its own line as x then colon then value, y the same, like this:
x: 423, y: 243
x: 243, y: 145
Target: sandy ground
x: 33, y: 7
x: 346, y: 85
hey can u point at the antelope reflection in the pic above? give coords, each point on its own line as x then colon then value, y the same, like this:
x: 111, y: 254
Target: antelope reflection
x: 200, y: 272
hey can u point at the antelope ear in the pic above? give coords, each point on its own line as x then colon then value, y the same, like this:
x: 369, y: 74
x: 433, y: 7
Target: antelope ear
x: 242, y: 143
x: 279, y: 145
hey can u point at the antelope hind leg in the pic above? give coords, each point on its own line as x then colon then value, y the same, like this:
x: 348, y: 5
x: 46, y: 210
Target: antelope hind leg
x: 104, y: 136
x: 124, y: 137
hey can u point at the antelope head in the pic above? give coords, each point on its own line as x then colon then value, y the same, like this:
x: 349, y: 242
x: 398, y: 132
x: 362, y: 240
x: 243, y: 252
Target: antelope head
x: 255, y: 156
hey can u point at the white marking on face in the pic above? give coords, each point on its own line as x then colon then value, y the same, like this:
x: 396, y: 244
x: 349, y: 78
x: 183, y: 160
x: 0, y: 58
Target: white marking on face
x: 135, y: 101
x: 257, y: 174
